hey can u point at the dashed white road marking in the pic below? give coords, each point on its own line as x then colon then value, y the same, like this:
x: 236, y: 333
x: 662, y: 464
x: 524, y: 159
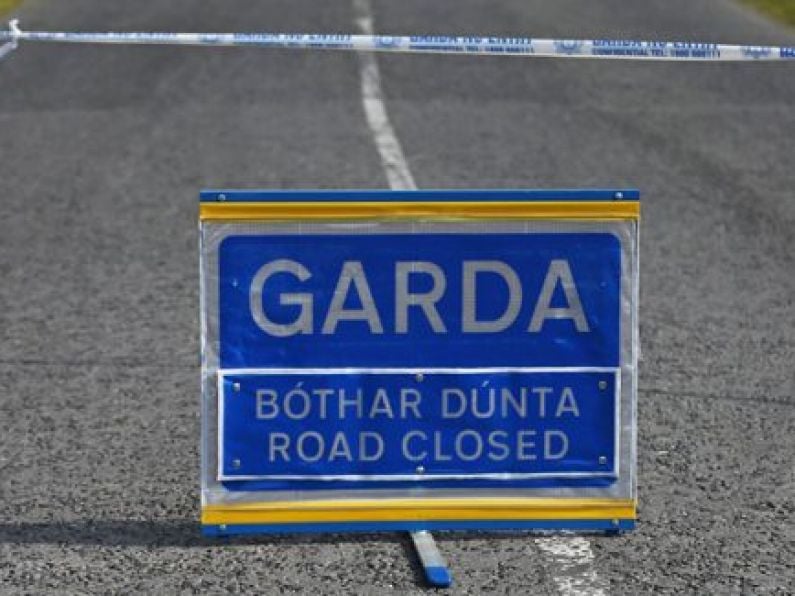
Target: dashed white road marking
x: 571, y: 557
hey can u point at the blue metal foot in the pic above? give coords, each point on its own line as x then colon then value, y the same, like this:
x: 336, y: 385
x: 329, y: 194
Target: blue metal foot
x: 436, y: 570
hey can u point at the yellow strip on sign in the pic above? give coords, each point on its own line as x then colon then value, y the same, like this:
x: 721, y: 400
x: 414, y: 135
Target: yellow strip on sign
x: 348, y: 210
x: 417, y: 510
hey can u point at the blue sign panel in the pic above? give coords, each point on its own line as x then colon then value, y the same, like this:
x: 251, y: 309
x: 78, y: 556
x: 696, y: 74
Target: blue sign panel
x: 499, y: 424
x: 377, y: 360
x: 420, y: 300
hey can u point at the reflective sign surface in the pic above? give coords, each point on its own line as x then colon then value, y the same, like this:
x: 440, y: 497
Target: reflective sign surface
x: 420, y: 300
x: 418, y: 374
x: 522, y: 424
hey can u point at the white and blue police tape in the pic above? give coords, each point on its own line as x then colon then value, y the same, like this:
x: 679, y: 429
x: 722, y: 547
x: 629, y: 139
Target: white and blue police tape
x: 490, y: 46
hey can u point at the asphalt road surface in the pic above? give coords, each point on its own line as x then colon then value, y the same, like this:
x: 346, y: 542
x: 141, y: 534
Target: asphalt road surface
x: 104, y: 149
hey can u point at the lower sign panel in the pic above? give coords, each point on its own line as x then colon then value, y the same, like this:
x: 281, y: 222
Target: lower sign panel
x: 389, y: 425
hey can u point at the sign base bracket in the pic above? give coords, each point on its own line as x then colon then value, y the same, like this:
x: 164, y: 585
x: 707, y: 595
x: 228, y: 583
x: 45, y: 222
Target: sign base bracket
x: 436, y: 571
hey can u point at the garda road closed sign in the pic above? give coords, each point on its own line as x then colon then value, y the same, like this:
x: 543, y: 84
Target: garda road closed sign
x: 418, y: 360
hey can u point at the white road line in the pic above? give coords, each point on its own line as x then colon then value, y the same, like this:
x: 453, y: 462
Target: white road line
x: 392, y: 158
x: 571, y: 558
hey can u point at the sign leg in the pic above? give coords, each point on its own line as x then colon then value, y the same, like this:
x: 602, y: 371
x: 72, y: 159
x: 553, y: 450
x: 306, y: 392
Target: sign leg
x: 436, y: 570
